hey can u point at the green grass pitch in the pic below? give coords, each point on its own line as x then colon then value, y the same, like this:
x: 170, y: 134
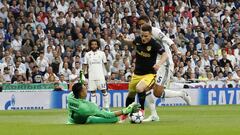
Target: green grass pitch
x: 183, y: 120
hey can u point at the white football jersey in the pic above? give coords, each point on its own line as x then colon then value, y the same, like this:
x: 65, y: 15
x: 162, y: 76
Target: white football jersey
x: 95, y: 62
x: 166, y: 42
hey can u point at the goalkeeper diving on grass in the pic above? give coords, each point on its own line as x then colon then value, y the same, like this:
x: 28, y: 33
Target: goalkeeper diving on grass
x: 81, y: 111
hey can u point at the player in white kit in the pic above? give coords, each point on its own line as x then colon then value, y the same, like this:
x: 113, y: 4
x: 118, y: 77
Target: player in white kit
x: 163, y: 74
x: 95, y: 62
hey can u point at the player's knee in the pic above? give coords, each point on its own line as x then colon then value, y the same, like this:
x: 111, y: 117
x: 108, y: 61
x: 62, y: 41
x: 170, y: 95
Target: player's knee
x: 141, y: 86
x: 158, y: 91
x: 139, y: 89
x: 104, y: 91
x: 131, y: 94
x: 93, y: 92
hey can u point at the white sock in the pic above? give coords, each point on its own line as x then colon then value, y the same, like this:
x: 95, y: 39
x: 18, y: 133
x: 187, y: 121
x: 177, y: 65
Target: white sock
x: 172, y: 93
x: 151, y: 104
x: 105, y: 100
x: 93, y: 98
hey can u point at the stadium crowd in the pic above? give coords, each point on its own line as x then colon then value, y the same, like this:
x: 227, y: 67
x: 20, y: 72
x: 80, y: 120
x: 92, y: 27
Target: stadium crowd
x: 45, y: 40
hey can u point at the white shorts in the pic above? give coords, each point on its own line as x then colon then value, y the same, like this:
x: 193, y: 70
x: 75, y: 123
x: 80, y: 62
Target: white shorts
x: 163, y: 75
x: 94, y: 85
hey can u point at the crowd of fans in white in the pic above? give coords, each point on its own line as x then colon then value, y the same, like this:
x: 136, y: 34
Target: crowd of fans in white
x: 45, y: 40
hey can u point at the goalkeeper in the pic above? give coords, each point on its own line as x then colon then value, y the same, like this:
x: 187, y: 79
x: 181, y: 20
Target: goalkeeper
x: 81, y: 111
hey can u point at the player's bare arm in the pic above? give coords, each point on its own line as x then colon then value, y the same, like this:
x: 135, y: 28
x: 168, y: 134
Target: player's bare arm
x: 125, y: 40
x: 85, y: 67
x: 175, y: 49
x: 163, y: 59
x: 106, y: 66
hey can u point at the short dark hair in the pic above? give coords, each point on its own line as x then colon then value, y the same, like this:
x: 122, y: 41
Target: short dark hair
x: 146, y: 27
x: 93, y: 40
x: 144, y: 17
x: 77, y: 87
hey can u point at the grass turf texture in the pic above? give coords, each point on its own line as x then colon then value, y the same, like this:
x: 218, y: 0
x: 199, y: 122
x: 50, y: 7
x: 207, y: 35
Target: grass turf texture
x: 183, y: 120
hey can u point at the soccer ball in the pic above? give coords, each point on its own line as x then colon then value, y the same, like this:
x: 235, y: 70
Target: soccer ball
x: 136, y: 118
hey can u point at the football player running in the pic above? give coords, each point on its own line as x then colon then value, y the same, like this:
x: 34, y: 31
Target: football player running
x: 164, y: 72
x: 147, y: 50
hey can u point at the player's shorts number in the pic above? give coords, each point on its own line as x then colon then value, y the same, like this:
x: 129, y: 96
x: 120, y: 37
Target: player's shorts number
x: 103, y: 86
x: 159, y: 79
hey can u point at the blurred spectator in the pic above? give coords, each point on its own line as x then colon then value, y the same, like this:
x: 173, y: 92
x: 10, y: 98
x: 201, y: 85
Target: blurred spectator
x: 49, y: 76
x: 36, y: 75
x: 237, y: 54
x: 17, y: 43
x: 210, y: 76
x: 229, y: 80
x: 74, y: 77
x: 42, y: 63
x: 62, y: 83
x: 20, y: 79
x: 236, y: 76
x: 7, y: 76
x: 224, y: 61
x: 65, y: 71
x: 178, y: 78
x: 27, y: 48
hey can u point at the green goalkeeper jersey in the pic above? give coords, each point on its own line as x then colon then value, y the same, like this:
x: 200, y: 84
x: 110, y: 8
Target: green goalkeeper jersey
x: 80, y: 111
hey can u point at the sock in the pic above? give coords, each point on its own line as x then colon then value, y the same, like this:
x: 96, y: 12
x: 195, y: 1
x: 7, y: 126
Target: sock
x: 171, y: 93
x: 93, y: 98
x: 129, y: 100
x: 151, y: 103
x: 141, y: 98
x: 105, y: 100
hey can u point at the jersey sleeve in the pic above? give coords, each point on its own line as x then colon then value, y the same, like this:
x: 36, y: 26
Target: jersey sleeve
x: 104, y: 114
x: 93, y: 110
x: 159, y: 35
x: 160, y: 49
x: 167, y: 40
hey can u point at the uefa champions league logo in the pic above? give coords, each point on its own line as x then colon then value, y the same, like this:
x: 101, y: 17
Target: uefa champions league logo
x: 10, y: 102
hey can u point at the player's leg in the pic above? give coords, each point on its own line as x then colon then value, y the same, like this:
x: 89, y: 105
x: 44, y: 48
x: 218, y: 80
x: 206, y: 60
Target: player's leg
x: 150, y: 99
x: 103, y: 87
x: 158, y: 91
x: 141, y: 93
x: 132, y: 89
x: 92, y: 87
x: 142, y: 86
x: 163, y: 77
x: 97, y: 120
x: 131, y: 94
x: 130, y: 99
x: 151, y: 104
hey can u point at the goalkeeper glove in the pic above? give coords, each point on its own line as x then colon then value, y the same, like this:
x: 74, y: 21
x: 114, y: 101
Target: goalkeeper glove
x: 132, y: 108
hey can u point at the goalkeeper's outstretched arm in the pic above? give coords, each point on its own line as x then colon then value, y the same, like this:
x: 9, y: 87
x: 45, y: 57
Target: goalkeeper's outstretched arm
x: 132, y: 108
